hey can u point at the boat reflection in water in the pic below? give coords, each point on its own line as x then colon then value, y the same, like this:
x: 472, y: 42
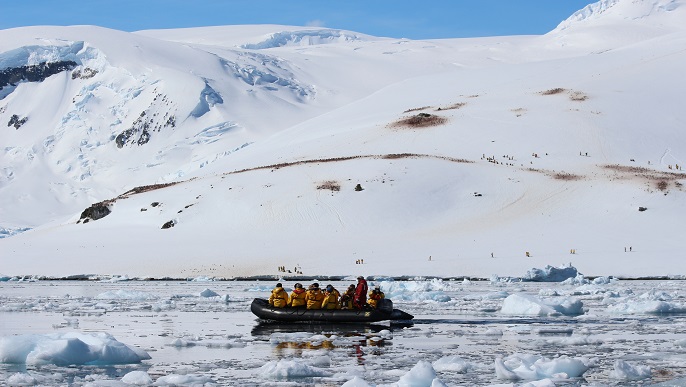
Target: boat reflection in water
x: 293, y: 339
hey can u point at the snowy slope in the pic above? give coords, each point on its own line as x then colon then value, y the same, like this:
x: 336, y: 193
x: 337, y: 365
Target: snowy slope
x: 549, y: 144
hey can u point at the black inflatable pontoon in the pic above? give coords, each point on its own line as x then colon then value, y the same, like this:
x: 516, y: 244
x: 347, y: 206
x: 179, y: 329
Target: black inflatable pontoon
x: 261, y: 308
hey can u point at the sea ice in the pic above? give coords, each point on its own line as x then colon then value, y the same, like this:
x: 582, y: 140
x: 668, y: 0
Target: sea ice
x: 534, y: 367
x: 520, y: 304
x: 68, y: 349
x: 290, y: 368
x: 626, y: 371
x: 138, y: 378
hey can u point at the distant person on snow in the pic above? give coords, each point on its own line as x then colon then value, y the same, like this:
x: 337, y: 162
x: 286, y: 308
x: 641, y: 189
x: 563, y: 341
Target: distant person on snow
x: 331, y: 296
x: 374, y: 296
x: 279, y: 297
x: 314, y: 297
x: 360, y: 299
x: 297, y: 298
x: 347, y: 297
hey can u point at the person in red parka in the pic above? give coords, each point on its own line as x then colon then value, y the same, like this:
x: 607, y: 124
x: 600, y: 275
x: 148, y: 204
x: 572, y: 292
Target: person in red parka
x: 360, y: 299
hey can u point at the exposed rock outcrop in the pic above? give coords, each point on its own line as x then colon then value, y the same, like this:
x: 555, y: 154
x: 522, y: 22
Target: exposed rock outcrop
x: 33, y: 73
x: 16, y: 121
x: 95, y: 212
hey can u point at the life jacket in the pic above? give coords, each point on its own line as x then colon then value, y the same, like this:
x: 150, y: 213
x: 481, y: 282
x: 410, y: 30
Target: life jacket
x: 331, y: 300
x: 360, y: 294
x: 347, y: 298
x: 374, y: 298
x: 314, y: 298
x: 278, y: 298
x: 297, y: 298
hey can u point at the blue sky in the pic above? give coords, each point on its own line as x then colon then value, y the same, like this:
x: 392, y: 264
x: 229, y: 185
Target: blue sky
x: 391, y: 18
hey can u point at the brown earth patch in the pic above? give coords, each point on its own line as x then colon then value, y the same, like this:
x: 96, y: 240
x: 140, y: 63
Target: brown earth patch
x: 646, y: 173
x: 331, y: 185
x: 421, y: 120
x: 554, y: 91
x: 567, y: 176
x: 557, y: 175
x: 452, y: 107
x: 660, y: 179
x: 577, y: 96
x: 417, y: 109
x: 518, y: 111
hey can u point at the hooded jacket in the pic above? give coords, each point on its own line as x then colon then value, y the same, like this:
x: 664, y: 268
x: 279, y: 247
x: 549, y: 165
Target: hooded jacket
x: 314, y: 298
x: 278, y: 298
x: 297, y: 298
x: 331, y: 300
x: 374, y: 297
x: 347, y: 297
x: 361, y: 289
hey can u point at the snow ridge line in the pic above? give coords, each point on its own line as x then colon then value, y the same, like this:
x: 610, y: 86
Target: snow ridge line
x: 389, y: 156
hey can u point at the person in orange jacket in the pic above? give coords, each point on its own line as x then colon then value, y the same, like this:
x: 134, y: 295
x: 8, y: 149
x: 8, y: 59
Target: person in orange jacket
x: 314, y: 297
x: 297, y: 296
x: 374, y: 296
x: 279, y: 297
x: 331, y: 296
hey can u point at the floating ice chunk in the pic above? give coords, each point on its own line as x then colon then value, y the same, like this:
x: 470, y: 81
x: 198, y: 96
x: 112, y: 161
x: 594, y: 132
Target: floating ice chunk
x: 534, y: 367
x: 138, y: 378
x: 551, y: 274
x: 520, y: 304
x: 578, y: 280
x: 356, y: 382
x: 287, y: 369
x: 208, y: 293
x: 385, y: 334
x: 625, y: 371
x: 646, y: 307
x: 21, y: 379
x: 422, y: 374
x: 493, y: 332
x: 176, y: 380
x: 656, y: 295
x: 67, y: 349
x: 680, y: 343
x: 417, y: 291
x: 122, y: 294
x: 605, y: 280
x: 452, y: 363
x: 438, y: 383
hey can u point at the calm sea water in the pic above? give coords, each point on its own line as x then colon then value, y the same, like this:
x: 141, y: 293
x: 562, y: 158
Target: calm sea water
x: 186, y: 333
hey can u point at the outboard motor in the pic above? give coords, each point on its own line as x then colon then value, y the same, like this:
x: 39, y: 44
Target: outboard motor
x: 385, y: 305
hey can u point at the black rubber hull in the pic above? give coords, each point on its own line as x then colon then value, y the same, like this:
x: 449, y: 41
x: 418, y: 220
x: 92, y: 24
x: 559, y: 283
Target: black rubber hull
x: 261, y: 308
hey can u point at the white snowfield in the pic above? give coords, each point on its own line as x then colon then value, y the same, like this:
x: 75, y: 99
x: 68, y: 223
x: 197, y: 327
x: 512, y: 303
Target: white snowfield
x: 331, y: 152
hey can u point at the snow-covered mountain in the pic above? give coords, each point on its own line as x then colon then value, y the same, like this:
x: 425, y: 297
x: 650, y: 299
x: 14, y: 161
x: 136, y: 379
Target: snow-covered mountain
x: 331, y: 152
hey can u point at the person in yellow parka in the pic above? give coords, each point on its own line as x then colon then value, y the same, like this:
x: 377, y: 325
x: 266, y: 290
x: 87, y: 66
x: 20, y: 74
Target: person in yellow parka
x: 279, y: 297
x: 374, y: 296
x: 331, y: 296
x: 347, y: 298
x: 314, y: 297
x: 297, y: 296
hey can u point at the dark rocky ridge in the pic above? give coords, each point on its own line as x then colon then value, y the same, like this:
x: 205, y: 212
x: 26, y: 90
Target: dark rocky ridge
x: 33, y: 73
